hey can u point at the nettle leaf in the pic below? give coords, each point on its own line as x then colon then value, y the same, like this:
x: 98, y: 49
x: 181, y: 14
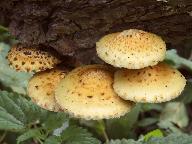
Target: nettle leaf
x: 173, y: 58
x: 53, y: 140
x: 9, y: 122
x: 18, y: 111
x: 175, y: 112
x: 172, y: 139
x: 31, y: 133
x: 124, y: 141
x: 55, y: 120
x: 17, y: 81
x: 77, y: 135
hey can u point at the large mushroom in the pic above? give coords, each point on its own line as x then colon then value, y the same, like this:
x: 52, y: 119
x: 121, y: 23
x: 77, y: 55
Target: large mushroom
x: 132, y: 49
x: 87, y: 93
x: 155, y: 84
x: 31, y: 59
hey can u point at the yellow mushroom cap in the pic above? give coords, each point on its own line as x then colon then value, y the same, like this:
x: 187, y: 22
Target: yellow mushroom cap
x: 132, y: 49
x: 31, y: 59
x: 155, y: 84
x: 41, y: 88
x: 87, y: 93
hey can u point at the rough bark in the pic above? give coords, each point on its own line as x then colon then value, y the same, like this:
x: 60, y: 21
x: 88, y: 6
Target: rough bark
x: 73, y: 26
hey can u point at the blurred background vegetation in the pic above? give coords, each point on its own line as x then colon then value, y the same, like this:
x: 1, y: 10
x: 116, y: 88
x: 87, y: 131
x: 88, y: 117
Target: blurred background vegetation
x: 21, y: 121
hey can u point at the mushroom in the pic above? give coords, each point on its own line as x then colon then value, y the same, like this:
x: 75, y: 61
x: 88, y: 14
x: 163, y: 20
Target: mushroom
x: 42, y: 85
x: 31, y: 59
x: 87, y: 93
x: 155, y: 84
x: 132, y: 49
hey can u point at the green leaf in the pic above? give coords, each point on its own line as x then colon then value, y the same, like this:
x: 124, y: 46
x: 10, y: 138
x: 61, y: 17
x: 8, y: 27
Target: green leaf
x: 147, y: 121
x: 33, y: 133
x: 177, y: 61
x: 77, y: 135
x: 9, y: 122
x: 52, y: 140
x: 19, y: 110
x: 175, y: 112
x: 152, y: 134
x: 17, y: 81
x: 124, y: 141
x: 172, y: 139
x: 55, y: 120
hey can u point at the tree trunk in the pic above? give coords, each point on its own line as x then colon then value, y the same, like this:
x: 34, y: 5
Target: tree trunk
x: 73, y: 26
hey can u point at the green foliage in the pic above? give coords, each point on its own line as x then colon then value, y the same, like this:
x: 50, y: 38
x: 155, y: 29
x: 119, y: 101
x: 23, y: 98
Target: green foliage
x: 174, y: 113
x: 153, y: 134
x: 17, y: 110
x: 171, y: 139
x: 31, y: 133
x: 173, y: 58
x: 75, y: 135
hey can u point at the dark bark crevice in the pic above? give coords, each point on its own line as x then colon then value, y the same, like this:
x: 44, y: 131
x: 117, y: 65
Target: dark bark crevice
x: 72, y: 27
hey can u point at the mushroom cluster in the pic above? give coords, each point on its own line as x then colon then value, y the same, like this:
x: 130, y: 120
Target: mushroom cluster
x: 135, y: 73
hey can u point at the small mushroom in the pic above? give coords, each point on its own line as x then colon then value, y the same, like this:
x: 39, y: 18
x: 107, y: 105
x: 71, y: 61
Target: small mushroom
x: 87, y: 93
x: 132, y: 49
x: 42, y: 85
x: 155, y: 84
x: 31, y: 59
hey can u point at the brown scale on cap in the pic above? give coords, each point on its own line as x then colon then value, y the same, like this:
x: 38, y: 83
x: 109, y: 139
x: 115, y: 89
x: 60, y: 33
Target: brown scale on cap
x: 42, y: 85
x: 31, y: 59
x: 87, y: 93
x: 154, y: 84
x: 132, y: 49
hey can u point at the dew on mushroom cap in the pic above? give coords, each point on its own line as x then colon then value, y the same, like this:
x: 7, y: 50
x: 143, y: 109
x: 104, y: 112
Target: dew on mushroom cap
x: 86, y: 92
x: 42, y: 85
x: 31, y: 59
x: 132, y: 49
x: 154, y: 84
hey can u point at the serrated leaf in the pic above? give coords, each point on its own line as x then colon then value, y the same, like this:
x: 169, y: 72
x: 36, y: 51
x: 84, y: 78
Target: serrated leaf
x: 172, y: 139
x: 32, y: 133
x: 124, y: 141
x: 19, y: 109
x: 55, y: 120
x: 78, y: 135
x: 9, y: 122
x: 177, y: 61
x: 17, y: 81
x: 52, y: 140
x: 175, y: 112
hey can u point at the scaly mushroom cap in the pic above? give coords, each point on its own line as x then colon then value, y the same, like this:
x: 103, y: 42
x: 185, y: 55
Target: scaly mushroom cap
x: 132, y: 49
x: 87, y: 93
x: 41, y: 88
x: 31, y: 59
x: 155, y: 84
